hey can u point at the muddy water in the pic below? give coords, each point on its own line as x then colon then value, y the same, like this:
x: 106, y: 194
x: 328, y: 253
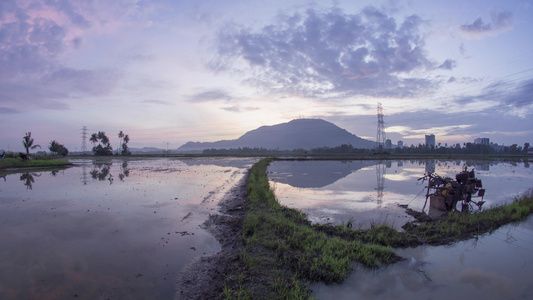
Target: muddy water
x: 494, y: 266
x: 110, y: 229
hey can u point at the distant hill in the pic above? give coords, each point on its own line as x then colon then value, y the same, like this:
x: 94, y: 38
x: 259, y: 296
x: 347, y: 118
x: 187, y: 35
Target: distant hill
x: 146, y: 150
x: 300, y: 133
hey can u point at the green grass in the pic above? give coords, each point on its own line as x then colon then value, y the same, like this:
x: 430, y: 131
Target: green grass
x: 34, y: 163
x: 283, y: 252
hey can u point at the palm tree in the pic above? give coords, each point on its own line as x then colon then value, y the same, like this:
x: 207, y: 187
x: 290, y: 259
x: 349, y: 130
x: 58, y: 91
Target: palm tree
x: 103, y: 147
x: 120, y: 136
x: 94, y: 138
x: 27, y: 141
x: 125, y: 150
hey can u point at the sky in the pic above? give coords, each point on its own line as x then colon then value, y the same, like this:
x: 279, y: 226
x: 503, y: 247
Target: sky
x: 166, y: 72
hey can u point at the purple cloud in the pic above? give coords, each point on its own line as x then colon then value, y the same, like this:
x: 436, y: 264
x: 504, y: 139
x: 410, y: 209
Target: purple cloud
x: 158, y: 102
x: 324, y: 53
x: 521, y: 96
x: 8, y: 110
x: 508, y: 95
x: 211, y: 95
x: 501, y: 21
x: 448, y: 64
x: 33, y: 42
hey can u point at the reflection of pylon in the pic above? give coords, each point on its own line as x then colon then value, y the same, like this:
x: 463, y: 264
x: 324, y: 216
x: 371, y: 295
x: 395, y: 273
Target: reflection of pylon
x: 380, y: 175
x: 381, y: 137
x: 84, y: 175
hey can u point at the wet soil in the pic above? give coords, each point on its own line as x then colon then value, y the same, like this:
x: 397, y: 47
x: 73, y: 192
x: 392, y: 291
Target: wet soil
x: 204, y: 277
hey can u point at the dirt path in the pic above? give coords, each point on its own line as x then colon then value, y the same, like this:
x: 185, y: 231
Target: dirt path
x: 203, y: 278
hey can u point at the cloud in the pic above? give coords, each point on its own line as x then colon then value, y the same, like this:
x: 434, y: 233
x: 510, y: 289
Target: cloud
x: 88, y: 82
x: 8, y: 110
x: 329, y: 53
x: 521, y: 95
x: 240, y: 109
x: 462, y: 49
x: 501, y: 21
x: 34, y: 40
x: 159, y: 102
x: 442, y: 129
x: 398, y: 129
x: 211, y: 95
x: 479, y: 278
x: 53, y: 90
x: 73, y: 13
x: 448, y: 64
x: 504, y: 97
x: 510, y: 133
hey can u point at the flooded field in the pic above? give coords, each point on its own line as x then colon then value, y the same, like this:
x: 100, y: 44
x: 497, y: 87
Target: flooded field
x: 108, y: 229
x: 124, y: 229
x: 495, y: 266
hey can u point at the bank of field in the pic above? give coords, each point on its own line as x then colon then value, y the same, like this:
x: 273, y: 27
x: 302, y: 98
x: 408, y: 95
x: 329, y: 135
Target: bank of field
x: 8, y: 163
x: 283, y: 252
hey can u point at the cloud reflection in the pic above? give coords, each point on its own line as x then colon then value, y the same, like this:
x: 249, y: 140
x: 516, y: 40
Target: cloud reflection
x: 481, y: 279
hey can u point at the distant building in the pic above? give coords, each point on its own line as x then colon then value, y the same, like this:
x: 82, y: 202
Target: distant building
x: 388, y: 144
x: 430, y: 140
x: 482, y: 141
x: 400, y: 144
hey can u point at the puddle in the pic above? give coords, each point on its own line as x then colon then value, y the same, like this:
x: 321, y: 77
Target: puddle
x: 495, y: 266
x: 110, y: 228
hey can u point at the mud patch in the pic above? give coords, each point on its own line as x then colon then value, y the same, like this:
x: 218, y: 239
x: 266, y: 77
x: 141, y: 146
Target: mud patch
x: 203, y: 278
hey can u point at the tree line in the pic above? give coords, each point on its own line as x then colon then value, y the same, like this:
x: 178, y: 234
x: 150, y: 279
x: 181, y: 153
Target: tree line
x: 100, y: 140
x: 466, y: 148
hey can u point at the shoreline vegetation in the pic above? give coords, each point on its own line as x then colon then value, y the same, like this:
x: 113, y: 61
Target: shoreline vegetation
x: 18, y: 163
x: 282, y: 253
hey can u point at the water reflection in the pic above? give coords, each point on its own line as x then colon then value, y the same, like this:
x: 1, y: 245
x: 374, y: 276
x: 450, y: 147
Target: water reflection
x: 28, y: 179
x: 381, y: 170
x: 370, y: 191
x: 124, y: 171
x: 66, y: 237
x: 101, y: 171
x: 495, y: 266
x: 314, y: 174
x: 430, y: 166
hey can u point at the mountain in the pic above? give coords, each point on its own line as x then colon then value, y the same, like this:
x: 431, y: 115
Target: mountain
x: 300, y: 133
x: 146, y: 150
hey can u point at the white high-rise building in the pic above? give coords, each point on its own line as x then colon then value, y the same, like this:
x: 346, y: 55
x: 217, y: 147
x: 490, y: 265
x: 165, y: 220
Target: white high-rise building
x: 482, y: 141
x: 430, y: 140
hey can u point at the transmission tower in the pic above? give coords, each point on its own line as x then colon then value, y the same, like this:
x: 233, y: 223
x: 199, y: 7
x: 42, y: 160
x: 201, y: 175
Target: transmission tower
x: 83, y: 139
x: 381, y: 137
